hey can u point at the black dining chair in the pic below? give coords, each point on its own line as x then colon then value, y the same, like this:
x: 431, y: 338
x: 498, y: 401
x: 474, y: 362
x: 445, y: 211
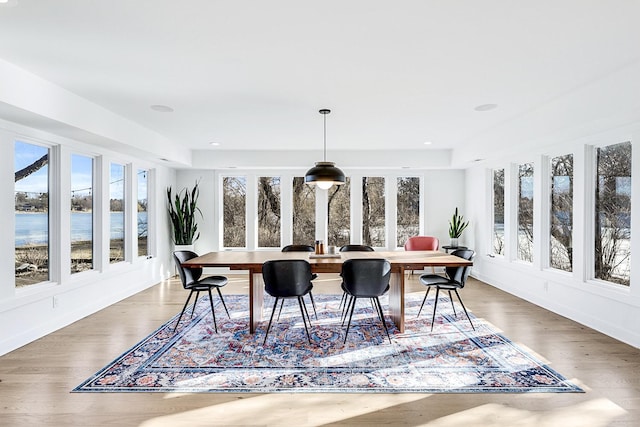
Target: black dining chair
x: 192, y: 281
x: 356, y: 248
x: 350, y: 248
x: 287, y: 279
x: 366, y: 278
x: 314, y: 276
x: 455, y: 279
x: 298, y: 248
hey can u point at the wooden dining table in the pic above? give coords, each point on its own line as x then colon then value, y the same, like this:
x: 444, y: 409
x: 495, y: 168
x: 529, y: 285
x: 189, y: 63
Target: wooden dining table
x: 252, y: 261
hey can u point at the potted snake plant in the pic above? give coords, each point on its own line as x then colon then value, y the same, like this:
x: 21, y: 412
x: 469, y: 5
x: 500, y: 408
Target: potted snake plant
x: 183, y: 209
x: 457, y: 225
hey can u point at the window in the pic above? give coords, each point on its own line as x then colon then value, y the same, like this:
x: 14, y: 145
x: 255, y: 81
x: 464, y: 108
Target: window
x: 116, y: 213
x: 498, y: 211
x: 269, y: 216
x: 81, y: 213
x: 31, y: 192
x: 339, y: 211
x: 525, y: 212
x: 304, y: 212
x: 408, y: 209
x: 561, y: 221
x: 373, y: 211
x: 613, y: 214
x: 143, y: 210
x: 234, y: 194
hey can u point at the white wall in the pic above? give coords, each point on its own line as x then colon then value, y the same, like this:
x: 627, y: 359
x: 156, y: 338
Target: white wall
x: 608, y: 308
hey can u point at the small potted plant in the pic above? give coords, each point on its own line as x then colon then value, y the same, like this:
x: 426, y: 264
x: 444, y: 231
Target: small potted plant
x: 182, y: 213
x: 457, y: 224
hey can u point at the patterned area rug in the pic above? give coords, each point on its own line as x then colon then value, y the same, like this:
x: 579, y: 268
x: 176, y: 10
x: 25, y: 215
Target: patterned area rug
x: 452, y: 359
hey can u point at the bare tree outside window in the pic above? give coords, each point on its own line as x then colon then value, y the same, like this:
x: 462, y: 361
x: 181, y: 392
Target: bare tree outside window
x: 339, y: 211
x: 613, y: 214
x: 498, y: 211
x: 269, y: 212
x: 31, y: 166
x: 373, y: 211
x: 143, y: 210
x: 304, y: 212
x: 408, y: 209
x: 234, y: 202
x: 561, y: 221
x: 525, y: 212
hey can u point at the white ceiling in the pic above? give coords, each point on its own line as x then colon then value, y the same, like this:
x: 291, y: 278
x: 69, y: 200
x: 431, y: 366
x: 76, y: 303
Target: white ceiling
x: 252, y: 75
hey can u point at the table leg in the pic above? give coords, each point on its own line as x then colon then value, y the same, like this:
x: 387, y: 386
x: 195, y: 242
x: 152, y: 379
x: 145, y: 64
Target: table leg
x: 256, y: 300
x: 396, y: 299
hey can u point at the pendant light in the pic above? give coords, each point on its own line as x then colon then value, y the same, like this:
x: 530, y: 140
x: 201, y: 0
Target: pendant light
x: 324, y: 173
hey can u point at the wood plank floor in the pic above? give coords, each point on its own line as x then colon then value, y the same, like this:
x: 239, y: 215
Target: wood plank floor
x: 35, y: 380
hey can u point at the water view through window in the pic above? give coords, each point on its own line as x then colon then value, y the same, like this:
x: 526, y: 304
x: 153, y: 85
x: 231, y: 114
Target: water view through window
x: 116, y: 211
x: 31, y: 191
x: 81, y: 213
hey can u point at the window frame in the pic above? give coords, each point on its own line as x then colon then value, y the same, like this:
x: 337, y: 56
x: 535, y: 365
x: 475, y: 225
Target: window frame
x: 286, y: 183
x: 591, y: 175
x: 53, y: 215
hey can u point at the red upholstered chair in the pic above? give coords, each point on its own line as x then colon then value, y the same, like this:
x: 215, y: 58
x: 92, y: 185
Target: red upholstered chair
x: 422, y: 243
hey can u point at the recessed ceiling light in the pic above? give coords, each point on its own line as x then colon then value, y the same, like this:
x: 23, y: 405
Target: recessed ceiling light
x: 215, y: 144
x: 162, y: 108
x: 486, y: 107
x: 428, y: 143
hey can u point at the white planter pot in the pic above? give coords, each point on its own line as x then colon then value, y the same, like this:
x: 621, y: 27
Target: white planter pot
x: 183, y: 247
x: 454, y: 242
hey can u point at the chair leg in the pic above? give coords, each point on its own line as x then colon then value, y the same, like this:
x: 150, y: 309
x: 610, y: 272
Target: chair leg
x: 435, y: 305
x: 465, y: 309
x: 195, y: 302
x: 223, y: 304
x: 381, y: 314
x: 353, y: 306
x: 183, y: 309
x: 375, y: 308
x: 313, y: 303
x: 303, y: 309
x: 343, y: 299
x: 345, y: 310
x: 452, y: 305
x: 347, y: 302
x: 213, y: 312
x: 306, y: 311
x: 273, y: 311
x: 423, y: 301
x: 280, y: 311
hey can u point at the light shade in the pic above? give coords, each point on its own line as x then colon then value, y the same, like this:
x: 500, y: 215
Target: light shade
x: 324, y: 174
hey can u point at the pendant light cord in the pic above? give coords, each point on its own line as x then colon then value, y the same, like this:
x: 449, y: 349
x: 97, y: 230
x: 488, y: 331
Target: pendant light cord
x: 324, y: 112
x: 325, y: 137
